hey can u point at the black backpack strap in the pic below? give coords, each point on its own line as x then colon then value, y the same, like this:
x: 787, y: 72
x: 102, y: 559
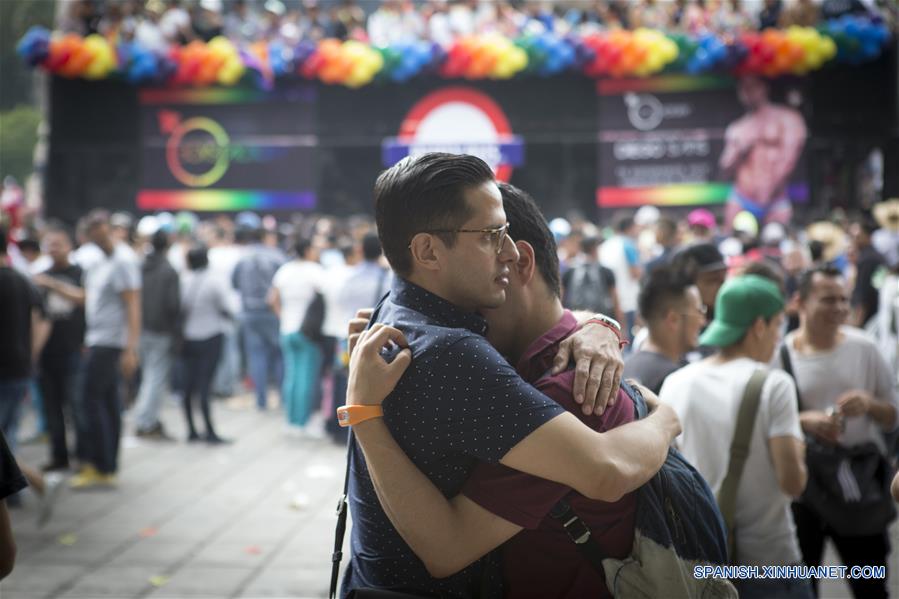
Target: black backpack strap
x: 579, y: 533
x: 340, y: 531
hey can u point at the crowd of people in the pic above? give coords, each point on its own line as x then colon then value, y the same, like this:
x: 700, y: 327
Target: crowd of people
x: 126, y: 312
x: 158, y: 23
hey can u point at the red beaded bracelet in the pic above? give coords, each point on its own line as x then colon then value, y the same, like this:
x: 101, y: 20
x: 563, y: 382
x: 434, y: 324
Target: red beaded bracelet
x: 600, y: 321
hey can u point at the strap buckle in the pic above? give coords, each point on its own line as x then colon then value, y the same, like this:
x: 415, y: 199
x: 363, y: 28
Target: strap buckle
x: 577, y: 530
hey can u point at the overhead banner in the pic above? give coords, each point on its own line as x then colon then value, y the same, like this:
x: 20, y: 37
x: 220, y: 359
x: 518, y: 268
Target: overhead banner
x: 228, y: 149
x: 457, y: 120
x: 689, y: 141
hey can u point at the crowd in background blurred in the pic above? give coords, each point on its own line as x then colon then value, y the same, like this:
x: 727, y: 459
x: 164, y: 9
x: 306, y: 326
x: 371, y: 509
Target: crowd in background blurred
x: 157, y: 23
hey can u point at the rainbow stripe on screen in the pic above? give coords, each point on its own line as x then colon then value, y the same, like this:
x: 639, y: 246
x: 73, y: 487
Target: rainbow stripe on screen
x: 689, y: 194
x: 670, y: 83
x: 224, y: 200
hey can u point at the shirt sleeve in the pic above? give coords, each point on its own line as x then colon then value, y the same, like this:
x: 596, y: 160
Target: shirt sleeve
x: 11, y: 478
x: 520, y: 498
x: 126, y: 276
x: 465, y: 400
x: 882, y: 376
x: 783, y: 411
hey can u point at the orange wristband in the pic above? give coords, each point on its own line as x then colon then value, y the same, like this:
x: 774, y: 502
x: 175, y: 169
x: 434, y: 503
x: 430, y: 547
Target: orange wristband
x: 351, y: 415
x: 603, y: 322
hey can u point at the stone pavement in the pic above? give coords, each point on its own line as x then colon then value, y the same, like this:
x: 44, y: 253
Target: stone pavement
x: 251, y: 519
x: 246, y: 520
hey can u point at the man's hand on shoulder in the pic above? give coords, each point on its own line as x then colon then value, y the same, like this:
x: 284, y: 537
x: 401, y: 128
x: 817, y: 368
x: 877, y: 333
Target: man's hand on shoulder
x: 372, y: 378
x: 598, y: 366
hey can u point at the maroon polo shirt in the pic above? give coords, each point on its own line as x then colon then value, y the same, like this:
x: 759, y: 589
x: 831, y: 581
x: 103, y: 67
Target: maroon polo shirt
x: 541, y: 561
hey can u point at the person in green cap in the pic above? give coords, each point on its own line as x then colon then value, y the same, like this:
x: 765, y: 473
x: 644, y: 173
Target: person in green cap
x: 707, y: 396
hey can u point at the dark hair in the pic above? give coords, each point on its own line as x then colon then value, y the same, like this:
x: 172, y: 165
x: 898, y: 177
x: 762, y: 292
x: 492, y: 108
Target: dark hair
x: 767, y: 269
x: 624, y: 223
x: 662, y: 288
x: 527, y: 223
x: 815, y: 250
x: 160, y: 241
x: 301, y: 246
x: 197, y: 258
x: 29, y: 245
x: 97, y: 216
x: 371, y: 247
x: 697, y: 258
x: 423, y: 193
x: 867, y: 224
x: 806, y: 279
x: 4, y: 239
x: 589, y: 244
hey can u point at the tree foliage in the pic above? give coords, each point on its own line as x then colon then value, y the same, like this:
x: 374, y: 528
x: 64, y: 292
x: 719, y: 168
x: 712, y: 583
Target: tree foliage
x: 16, y: 17
x: 18, y: 135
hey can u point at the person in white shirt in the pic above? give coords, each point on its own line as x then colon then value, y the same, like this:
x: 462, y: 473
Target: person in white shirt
x: 707, y: 396
x: 294, y: 287
x: 848, y: 402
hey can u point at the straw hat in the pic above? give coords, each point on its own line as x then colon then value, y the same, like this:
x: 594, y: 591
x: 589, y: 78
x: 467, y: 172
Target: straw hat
x: 887, y: 214
x: 831, y: 236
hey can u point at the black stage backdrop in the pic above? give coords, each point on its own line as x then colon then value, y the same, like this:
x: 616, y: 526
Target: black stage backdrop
x: 319, y: 148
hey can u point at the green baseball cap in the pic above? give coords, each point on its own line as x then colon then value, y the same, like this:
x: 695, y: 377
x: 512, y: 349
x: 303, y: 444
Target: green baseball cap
x: 740, y: 302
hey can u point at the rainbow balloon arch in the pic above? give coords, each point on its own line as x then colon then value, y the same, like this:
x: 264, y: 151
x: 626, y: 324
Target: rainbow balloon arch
x: 618, y: 53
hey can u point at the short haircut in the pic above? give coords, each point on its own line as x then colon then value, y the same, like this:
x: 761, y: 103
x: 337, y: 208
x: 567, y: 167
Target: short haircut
x: 197, y: 258
x: 698, y: 258
x: 97, y: 216
x: 807, y: 278
x: 767, y: 269
x: 371, y: 247
x: 624, y: 223
x: 302, y: 245
x: 662, y: 289
x: 30, y: 245
x: 160, y: 241
x: 589, y: 244
x: 527, y: 223
x: 420, y: 194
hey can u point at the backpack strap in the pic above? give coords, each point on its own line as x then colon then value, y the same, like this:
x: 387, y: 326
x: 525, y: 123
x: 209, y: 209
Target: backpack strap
x: 739, y: 451
x: 579, y: 533
x: 787, y: 364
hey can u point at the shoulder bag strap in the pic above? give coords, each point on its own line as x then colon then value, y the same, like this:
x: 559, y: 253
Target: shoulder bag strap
x: 787, y: 363
x: 739, y: 451
x: 579, y: 533
x: 340, y: 531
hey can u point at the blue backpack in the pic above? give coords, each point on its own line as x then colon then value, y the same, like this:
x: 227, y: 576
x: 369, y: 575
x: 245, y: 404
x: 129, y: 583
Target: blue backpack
x: 678, y: 532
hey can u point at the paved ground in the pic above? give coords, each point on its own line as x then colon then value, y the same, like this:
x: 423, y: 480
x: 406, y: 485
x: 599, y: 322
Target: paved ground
x: 251, y: 519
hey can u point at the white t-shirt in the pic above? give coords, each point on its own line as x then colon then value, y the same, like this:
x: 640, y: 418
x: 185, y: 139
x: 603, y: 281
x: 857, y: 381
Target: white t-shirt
x: 296, y: 282
x: 854, y: 363
x: 707, y: 397
x: 619, y: 254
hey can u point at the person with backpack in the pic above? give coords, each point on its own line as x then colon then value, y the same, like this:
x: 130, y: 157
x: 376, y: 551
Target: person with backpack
x: 589, y: 285
x: 537, y: 519
x: 741, y: 431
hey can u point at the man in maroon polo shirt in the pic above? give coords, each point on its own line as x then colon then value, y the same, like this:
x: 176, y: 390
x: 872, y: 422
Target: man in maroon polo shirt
x: 499, y: 504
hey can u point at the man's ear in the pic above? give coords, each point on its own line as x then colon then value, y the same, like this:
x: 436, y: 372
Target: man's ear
x: 527, y: 262
x: 426, y: 250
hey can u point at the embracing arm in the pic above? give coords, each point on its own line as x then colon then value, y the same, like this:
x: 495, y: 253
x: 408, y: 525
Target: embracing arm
x: 602, y: 466
x: 447, y: 535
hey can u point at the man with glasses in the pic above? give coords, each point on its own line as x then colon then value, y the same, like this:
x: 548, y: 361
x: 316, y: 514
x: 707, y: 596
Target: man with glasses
x: 674, y: 314
x: 442, y: 225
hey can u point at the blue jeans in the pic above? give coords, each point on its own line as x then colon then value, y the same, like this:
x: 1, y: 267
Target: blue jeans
x: 100, y: 409
x: 774, y: 589
x: 262, y: 349
x: 302, y: 376
x: 12, y: 395
x: 227, y: 375
x: 156, y: 370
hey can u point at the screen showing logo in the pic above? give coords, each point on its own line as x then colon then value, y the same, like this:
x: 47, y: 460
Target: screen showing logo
x: 458, y: 120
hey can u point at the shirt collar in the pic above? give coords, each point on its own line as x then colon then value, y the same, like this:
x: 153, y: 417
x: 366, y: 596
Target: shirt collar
x: 538, y: 358
x: 410, y: 295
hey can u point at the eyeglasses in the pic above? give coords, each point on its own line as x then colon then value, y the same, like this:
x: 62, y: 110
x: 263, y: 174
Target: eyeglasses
x: 702, y: 310
x: 496, y: 235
